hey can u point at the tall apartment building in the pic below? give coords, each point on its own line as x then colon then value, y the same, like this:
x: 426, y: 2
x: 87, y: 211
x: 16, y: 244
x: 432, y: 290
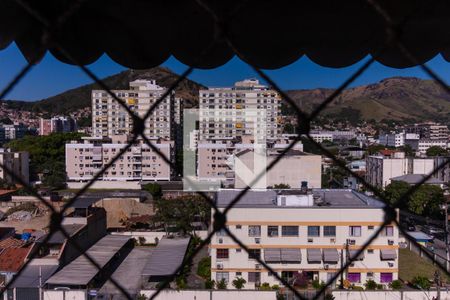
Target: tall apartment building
x: 110, y: 118
x: 17, y: 162
x: 223, y: 111
x: 431, y: 130
x: 392, y: 139
x: 421, y: 145
x: 303, y: 233
x: 387, y: 164
x: 140, y: 163
x: 14, y: 131
x: 57, y: 125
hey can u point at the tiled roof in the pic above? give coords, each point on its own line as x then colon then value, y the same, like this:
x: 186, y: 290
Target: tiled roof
x: 11, y: 242
x: 12, y: 259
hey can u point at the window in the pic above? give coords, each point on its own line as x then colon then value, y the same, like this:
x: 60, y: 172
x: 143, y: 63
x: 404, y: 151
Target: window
x: 238, y: 250
x: 370, y: 251
x: 272, y: 231
x: 222, y: 232
x: 313, y: 230
x: 371, y: 227
x: 238, y: 273
x: 329, y: 230
x: 254, y: 277
x: 238, y: 226
x: 386, y: 277
x: 254, y: 253
x: 222, y: 253
x: 354, y: 231
x: 354, y: 277
x: 222, y: 276
x: 289, y: 230
x: 388, y: 231
x: 254, y: 230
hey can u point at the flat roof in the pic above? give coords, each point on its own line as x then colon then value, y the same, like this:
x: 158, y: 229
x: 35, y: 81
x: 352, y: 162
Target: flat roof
x: 58, y: 237
x: 166, y: 257
x: 416, y: 178
x: 330, y: 198
x: 129, y: 273
x: 84, y: 202
x: 419, y: 235
x: 81, y: 271
x: 29, y: 277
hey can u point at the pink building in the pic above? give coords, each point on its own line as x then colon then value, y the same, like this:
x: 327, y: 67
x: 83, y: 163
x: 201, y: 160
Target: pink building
x: 139, y: 163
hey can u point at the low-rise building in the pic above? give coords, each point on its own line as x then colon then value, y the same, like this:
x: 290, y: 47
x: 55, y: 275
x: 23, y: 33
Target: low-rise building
x: 303, y: 233
x: 421, y: 145
x: 84, y: 159
x: 57, y: 124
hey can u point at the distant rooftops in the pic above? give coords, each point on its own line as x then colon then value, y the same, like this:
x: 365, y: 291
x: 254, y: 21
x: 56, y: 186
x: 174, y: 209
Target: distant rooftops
x: 246, y: 84
x: 321, y: 198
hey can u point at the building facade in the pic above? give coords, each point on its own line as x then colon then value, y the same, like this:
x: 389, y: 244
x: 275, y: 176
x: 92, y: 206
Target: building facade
x: 58, y: 124
x: 110, y: 118
x: 421, y: 145
x: 18, y: 163
x: 226, y: 112
x: 431, y: 130
x: 309, y: 234
x: 139, y: 163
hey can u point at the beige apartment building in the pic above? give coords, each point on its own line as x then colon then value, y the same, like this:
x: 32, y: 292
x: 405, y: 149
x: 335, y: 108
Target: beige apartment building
x: 216, y: 160
x: 225, y: 112
x: 110, y: 118
x: 17, y: 162
x: 387, y: 164
x: 303, y: 233
x: 139, y: 163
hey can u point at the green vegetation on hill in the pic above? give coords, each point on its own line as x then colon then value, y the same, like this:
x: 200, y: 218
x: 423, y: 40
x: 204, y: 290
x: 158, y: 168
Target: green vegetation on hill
x: 47, y: 156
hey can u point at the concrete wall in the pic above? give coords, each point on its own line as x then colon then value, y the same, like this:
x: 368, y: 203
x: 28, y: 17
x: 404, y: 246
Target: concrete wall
x: 64, y: 295
x: 131, y: 185
x: 211, y: 295
x: 389, y: 295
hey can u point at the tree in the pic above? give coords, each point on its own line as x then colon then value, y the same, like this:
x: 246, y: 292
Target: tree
x: 239, y: 283
x: 288, y: 128
x: 281, y: 186
x: 436, y: 151
x: 154, y: 189
x: 394, y: 191
x: 409, y: 151
x: 221, y: 285
x: 421, y: 282
x: 370, y: 285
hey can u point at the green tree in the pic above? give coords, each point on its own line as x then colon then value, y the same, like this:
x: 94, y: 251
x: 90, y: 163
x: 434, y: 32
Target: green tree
x: 407, y: 149
x: 221, y: 285
x: 209, y: 284
x: 281, y: 186
x: 394, y: 191
x: 421, y: 282
x: 288, y: 128
x: 396, y: 284
x: 154, y: 189
x: 370, y: 285
x: 239, y: 283
x: 436, y: 151
x: 204, y: 267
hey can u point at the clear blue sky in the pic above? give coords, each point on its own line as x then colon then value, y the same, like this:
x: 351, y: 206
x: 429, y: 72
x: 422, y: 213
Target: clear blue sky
x: 51, y: 77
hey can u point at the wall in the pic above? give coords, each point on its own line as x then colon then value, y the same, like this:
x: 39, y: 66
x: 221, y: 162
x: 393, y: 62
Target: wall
x: 211, y: 295
x: 151, y: 235
x: 132, y: 185
x: 389, y: 295
x: 64, y: 295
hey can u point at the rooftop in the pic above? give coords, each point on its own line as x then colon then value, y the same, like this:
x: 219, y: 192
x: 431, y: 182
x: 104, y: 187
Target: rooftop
x: 12, y: 259
x: 58, y: 237
x: 29, y: 277
x: 329, y: 198
x: 416, y: 178
x: 81, y: 271
x: 166, y: 257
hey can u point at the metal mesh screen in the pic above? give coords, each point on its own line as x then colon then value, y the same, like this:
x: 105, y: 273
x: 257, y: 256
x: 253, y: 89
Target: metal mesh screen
x: 220, y: 217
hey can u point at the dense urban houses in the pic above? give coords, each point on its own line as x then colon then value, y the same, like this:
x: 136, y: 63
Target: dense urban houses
x: 430, y: 130
x: 57, y: 124
x: 303, y: 235
x: 17, y: 163
x: 139, y: 163
x: 228, y: 112
x: 110, y: 118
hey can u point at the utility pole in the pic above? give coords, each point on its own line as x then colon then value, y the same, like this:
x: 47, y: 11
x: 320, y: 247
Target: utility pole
x: 437, y: 280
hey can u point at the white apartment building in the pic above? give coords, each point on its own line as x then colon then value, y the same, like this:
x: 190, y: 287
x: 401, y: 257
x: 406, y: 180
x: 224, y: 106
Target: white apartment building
x: 303, y: 232
x: 110, y: 118
x: 139, y: 163
x: 17, y: 162
x: 422, y: 145
x: 384, y: 166
x: 392, y: 139
x: 224, y: 111
x: 336, y: 134
x: 322, y: 137
x: 430, y: 130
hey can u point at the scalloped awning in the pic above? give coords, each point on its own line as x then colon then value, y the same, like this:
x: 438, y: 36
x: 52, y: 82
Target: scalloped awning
x: 268, y: 34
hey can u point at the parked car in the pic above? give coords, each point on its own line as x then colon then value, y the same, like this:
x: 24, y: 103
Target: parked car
x: 433, y: 231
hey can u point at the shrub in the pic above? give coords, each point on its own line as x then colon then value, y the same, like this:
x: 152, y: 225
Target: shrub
x: 204, y: 268
x: 370, y: 285
x: 357, y: 288
x: 329, y: 296
x: 265, y: 286
x: 142, y: 240
x: 396, y: 285
x: 221, y: 285
x: 380, y: 287
x: 318, y: 284
x: 421, y: 282
x: 141, y: 297
x: 239, y: 283
x: 275, y: 287
x: 209, y: 284
x: 154, y: 189
x: 300, y: 281
x: 181, y: 283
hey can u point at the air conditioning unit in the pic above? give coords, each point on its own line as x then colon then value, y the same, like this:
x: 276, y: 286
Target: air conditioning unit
x: 310, y: 240
x: 351, y: 242
x: 390, y: 264
x: 220, y: 241
x: 390, y: 242
x: 258, y: 266
x: 326, y: 267
x: 220, y: 266
x: 352, y: 265
x: 257, y: 240
x: 333, y: 241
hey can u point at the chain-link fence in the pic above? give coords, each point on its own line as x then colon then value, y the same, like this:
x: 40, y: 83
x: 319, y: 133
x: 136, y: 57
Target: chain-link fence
x: 50, y: 30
